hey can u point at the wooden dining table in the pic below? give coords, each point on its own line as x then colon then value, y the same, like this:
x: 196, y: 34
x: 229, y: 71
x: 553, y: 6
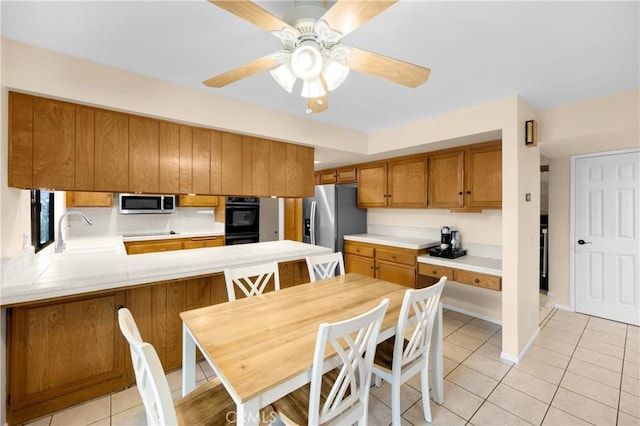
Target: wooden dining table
x: 261, y: 348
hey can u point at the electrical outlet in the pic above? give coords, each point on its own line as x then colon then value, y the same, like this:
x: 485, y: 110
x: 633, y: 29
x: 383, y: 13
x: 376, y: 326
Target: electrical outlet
x: 25, y: 240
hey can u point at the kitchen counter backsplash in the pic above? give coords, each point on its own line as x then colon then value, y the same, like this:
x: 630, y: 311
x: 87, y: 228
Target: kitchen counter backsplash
x: 108, y: 222
x: 473, y: 249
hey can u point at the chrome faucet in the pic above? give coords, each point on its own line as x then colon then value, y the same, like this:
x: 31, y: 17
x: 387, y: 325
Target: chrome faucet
x: 60, y: 244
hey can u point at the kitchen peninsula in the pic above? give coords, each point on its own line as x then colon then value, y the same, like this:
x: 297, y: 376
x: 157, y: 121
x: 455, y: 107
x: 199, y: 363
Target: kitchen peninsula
x: 63, y: 342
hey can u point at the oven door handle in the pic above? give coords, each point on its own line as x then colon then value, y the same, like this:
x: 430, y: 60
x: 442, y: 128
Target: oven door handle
x: 313, y: 223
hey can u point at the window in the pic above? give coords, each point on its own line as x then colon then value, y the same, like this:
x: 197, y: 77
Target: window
x: 42, y: 219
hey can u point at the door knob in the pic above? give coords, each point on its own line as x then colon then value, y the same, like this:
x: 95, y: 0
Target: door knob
x: 583, y: 242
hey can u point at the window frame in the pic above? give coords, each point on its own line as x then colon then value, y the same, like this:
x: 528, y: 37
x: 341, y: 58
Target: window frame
x: 37, y: 218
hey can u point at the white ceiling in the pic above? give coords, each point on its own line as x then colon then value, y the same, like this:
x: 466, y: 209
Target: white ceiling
x: 550, y: 53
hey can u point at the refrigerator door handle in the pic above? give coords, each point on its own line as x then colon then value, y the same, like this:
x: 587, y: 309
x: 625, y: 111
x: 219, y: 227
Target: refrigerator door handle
x: 545, y: 252
x: 312, y: 231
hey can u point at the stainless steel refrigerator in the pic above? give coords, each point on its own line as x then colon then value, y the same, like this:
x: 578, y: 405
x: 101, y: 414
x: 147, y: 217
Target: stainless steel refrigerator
x: 331, y: 215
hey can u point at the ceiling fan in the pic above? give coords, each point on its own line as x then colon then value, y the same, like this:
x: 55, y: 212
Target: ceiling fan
x: 311, y: 48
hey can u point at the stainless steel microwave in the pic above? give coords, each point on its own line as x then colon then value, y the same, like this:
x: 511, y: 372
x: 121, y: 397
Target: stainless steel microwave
x: 146, y: 204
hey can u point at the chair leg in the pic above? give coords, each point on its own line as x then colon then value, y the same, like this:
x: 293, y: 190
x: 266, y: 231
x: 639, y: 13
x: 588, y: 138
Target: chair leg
x: 426, y: 403
x: 395, y: 403
x: 377, y: 380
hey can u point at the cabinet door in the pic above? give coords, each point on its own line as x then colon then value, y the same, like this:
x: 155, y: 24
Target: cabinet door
x: 186, y: 160
x: 198, y: 201
x: 347, y: 175
x: 293, y: 273
x: 231, y: 147
x: 260, y: 173
x: 63, y: 353
x: 293, y: 175
x: 201, y: 160
x: 446, y: 180
x: 85, y: 148
x: 407, y: 182
x: 148, y: 305
x: 359, y: 264
x: 306, y: 157
x: 139, y: 247
x: 215, y: 167
x: 20, y: 140
x: 54, y: 144
x: 112, y: 151
x: 277, y: 168
x: 372, y: 185
x: 328, y: 177
x: 396, y: 273
x: 483, y: 175
x: 143, y: 154
x: 169, y: 161
x: 89, y: 199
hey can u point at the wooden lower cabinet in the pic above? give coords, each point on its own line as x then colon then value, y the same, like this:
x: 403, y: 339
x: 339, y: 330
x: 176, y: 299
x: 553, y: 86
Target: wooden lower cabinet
x: 69, y: 350
x: 430, y: 274
x: 169, y: 244
x: 61, y: 353
x: 397, y: 265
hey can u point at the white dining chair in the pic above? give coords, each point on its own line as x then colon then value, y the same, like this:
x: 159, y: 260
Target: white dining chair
x: 324, y: 266
x: 340, y: 396
x: 251, y: 280
x: 398, y: 359
x: 207, y: 404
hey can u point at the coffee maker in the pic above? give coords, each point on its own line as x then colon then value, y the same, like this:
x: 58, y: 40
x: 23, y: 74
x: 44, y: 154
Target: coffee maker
x: 449, y: 244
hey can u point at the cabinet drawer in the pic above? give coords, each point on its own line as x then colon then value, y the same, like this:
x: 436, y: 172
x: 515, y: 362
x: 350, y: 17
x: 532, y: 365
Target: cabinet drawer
x: 476, y: 279
x: 435, y: 271
x: 396, y: 256
x: 200, y: 242
x: 359, y: 249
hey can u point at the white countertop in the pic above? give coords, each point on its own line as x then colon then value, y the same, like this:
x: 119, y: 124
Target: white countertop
x: 393, y: 241
x: 94, y: 264
x: 483, y: 265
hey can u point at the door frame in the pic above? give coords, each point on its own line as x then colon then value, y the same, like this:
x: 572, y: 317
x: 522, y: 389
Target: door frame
x: 572, y: 216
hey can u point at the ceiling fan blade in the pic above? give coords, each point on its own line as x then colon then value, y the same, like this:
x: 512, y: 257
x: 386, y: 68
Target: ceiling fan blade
x: 241, y: 72
x: 348, y: 15
x: 400, y: 72
x: 253, y: 13
x: 321, y: 103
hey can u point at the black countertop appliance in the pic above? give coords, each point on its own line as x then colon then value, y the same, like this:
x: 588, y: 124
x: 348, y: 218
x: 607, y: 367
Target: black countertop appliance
x: 449, y: 244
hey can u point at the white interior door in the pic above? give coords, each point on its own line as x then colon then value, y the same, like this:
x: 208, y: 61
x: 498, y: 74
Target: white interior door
x: 607, y: 206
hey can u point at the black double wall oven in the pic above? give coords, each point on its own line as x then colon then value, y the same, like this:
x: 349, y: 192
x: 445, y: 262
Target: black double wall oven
x: 242, y: 220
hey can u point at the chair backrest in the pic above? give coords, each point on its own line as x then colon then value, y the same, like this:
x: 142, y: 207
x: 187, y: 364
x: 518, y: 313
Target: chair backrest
x: 354, y: 341
x: 419, y: 307
x: 150, y: 378
x: 252, y: 280
x: 324, y: 265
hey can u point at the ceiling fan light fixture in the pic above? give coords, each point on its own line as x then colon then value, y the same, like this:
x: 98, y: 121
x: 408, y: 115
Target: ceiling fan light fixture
x: 312, y: 88
x: 284, y: 76
x: 306, y: 62
x: 334, y: 73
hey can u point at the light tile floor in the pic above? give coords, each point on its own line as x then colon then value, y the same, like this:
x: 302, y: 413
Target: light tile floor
x: 580, y: 370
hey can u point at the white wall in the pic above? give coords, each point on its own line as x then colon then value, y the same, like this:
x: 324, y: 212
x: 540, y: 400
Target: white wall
x: 597, y: 125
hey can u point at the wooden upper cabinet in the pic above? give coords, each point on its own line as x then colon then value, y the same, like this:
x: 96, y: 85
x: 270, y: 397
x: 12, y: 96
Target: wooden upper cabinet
x: 446, y: 179
x: 198, y: 201
x: 186, y: 160
x: 112, y: 151
x: 260, y: 167
x: 20, y: 140
x: 372, y: 185
x: 306, y: 156
x: 85, y: 148
x: 201, y: 160
x: 407, y: 183
x: 89, y: 199
x: 143, y: 154
x: 277, y: 168
x: 341, y: 175
x: 215, y: 168
x: 169, y: 158
x: 54, y: 142
x: 231, y: 157
x: 247, y: 165
x: 483, y: 175
x: 293, y: 174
